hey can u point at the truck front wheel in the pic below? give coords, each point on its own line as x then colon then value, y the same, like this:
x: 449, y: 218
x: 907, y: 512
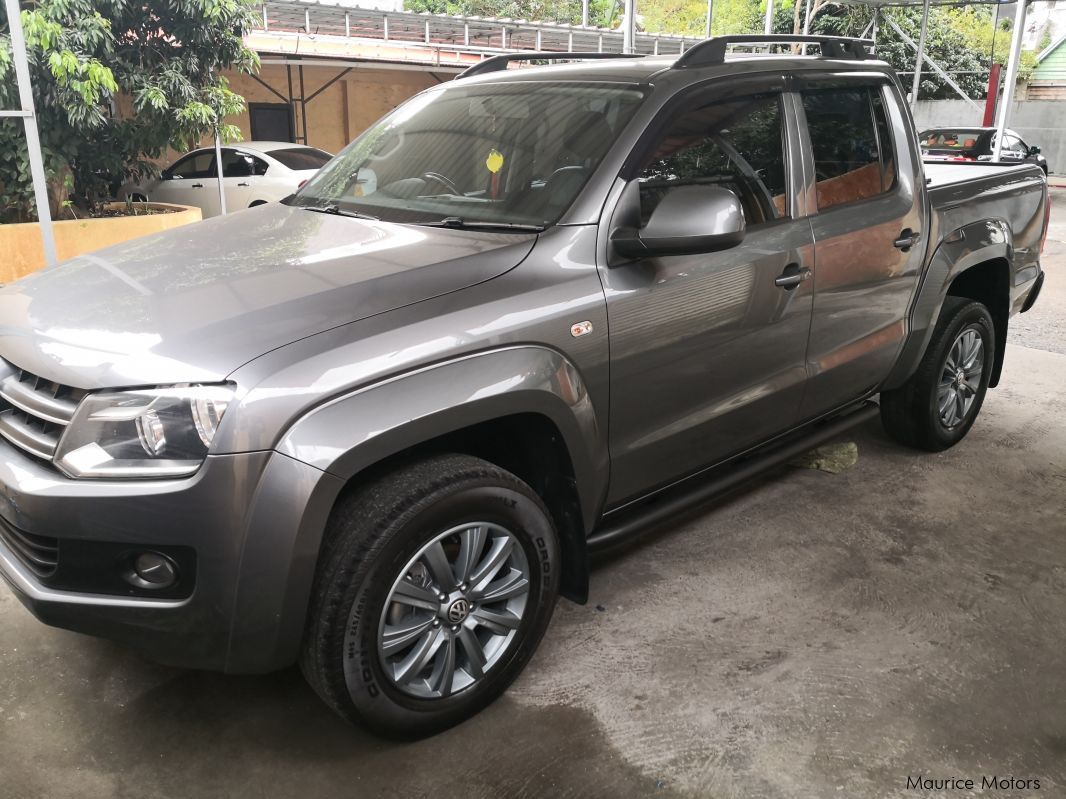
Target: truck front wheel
x: 937, y: 406
x: 435, y: 585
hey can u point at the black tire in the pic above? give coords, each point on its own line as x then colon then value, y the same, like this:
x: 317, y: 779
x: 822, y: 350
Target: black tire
x: 372, y: 537
x: 910, y: 414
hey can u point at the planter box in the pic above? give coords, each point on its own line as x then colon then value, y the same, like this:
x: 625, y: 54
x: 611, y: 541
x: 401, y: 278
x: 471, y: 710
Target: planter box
x: 23, y: 252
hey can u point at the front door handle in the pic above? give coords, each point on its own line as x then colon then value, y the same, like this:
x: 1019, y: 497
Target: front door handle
x: 792, y: 277
x: 197, y: 186
x: 907, y: 239
x: 244, y: 184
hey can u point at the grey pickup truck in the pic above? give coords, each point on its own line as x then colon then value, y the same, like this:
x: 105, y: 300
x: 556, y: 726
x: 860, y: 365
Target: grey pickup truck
x: 378, y: 428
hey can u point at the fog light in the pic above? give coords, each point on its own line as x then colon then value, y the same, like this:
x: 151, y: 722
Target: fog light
x: 152, y: 570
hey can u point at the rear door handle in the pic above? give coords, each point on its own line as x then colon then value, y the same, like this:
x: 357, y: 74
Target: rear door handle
x: 792, y: 276
x: 244, y: 184
x: 197, y: 186
x: 907, y: 239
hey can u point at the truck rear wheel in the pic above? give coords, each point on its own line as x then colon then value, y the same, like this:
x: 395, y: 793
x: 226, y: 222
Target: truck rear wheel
x: 435, y: 586
x: 937, y: 406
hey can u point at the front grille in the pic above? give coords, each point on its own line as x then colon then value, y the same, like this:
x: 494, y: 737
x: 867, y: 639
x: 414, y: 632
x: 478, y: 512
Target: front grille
x: 34, y: 410
x: 38, y: 553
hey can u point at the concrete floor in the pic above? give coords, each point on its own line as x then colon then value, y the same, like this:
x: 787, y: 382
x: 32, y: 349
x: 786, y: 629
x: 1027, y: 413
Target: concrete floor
x: 815, y: 635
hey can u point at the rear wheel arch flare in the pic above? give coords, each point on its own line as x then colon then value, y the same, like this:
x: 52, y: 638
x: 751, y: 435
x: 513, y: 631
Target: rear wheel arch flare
x: 989, y: 283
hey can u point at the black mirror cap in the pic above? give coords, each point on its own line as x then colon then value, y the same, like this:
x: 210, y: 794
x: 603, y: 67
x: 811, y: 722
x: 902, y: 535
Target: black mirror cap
x: 628, y: 242
x: 1034, y: 150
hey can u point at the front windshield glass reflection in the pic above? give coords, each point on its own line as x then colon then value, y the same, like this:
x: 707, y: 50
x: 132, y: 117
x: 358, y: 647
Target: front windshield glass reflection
x: 515, y: 153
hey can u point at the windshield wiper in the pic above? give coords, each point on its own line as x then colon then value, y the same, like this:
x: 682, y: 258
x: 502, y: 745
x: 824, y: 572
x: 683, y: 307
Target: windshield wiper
x: 458, y: 223
x: 336, y: 210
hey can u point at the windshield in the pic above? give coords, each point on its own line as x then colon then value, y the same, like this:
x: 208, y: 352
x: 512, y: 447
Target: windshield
x: 514, y: 153
x: 948, y: 139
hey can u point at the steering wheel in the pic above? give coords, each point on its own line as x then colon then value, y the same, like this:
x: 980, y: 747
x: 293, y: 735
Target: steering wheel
x: 445, y: 182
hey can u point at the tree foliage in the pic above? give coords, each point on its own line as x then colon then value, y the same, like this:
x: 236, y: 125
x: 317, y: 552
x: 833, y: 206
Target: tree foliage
x: 964, y: 40
x: 115, y: 82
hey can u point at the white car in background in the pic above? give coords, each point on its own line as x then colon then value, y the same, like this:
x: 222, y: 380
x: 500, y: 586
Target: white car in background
x: 253, y: 173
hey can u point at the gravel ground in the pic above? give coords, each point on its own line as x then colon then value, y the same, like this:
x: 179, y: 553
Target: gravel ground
x: 1043, y: 327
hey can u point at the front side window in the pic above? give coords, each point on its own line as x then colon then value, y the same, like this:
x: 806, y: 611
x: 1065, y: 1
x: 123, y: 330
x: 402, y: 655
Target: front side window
x: 513, y: 153
x: 197, y: 165
x: 737, y: 145
x: 846, y: 129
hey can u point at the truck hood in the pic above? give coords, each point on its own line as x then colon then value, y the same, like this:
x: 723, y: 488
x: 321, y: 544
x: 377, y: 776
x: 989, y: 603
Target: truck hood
x: 194, y: 303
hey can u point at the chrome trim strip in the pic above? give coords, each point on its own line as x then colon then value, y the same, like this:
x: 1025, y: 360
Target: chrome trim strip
x: 35, y: 403
x: 26, y: 439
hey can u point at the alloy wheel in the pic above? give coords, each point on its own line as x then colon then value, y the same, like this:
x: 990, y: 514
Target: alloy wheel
x: 454, y: 610
x: 960, y: 378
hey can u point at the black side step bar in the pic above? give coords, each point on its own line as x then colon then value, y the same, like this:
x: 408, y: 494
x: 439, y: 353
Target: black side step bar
x: 682, y: 498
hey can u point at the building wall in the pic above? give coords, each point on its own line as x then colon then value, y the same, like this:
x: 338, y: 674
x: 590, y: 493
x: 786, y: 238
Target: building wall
x: 1039, y: 122
x: 1053, y: 67
x: 337, y: 115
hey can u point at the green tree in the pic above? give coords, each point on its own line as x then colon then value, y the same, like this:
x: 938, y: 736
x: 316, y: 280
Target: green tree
x: 115, y: 82
x: 948, y: 46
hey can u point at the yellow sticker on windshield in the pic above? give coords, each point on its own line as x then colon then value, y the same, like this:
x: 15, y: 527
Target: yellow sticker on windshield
x: 494, y: 163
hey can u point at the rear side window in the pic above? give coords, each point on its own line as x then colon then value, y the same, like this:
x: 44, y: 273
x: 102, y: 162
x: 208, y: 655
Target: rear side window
x: 241, y: 165
x: 301, y: 158
x: 737, y: 145
x: 851, y: 145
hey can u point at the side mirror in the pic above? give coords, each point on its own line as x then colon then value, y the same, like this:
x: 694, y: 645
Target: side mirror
x: 1034, y: 150
x: 689, y: 220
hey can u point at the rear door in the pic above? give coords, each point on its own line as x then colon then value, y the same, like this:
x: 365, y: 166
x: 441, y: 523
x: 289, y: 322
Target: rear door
x: 707, y: 352
x: 868, y: 220
x: 241, y: 175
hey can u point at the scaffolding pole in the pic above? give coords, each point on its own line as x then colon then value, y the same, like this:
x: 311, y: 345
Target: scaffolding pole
x: 1012, y: 77
x: 932, y: 64
x: 29, y: 121
x: 921, y: 53
x: 630, y: 27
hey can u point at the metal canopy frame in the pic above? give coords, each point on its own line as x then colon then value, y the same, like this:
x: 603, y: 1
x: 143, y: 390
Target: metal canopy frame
x: 28, y: 115
x: 1013, y: 60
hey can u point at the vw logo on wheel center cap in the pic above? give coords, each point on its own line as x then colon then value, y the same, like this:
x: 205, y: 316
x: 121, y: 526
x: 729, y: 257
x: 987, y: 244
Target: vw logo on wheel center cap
x: 458, y: 610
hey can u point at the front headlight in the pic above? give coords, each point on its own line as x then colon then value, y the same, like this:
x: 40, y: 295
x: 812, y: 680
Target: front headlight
x: 156, y: 432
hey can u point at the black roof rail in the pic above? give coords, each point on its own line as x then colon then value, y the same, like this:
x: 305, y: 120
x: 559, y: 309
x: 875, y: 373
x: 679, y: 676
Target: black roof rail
x: 499, y: 62
x: 712, y: 51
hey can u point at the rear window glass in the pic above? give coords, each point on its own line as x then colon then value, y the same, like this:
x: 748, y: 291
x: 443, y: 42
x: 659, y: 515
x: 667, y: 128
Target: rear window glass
x: 301, y: 158
x: 851, y: 162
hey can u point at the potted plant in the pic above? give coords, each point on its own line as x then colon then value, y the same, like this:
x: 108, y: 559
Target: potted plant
x: 115, y: 85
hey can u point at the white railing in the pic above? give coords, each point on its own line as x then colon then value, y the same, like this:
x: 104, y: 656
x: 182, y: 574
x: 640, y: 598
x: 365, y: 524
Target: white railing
x: 454, y: 34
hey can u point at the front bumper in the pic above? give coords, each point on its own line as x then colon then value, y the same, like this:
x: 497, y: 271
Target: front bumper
x: 254, y: 521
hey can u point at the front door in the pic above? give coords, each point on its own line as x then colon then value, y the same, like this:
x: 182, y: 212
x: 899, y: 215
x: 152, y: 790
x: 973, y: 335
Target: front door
x: 870, y: 235
x: 707, y: 351
x: 191, y: 181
